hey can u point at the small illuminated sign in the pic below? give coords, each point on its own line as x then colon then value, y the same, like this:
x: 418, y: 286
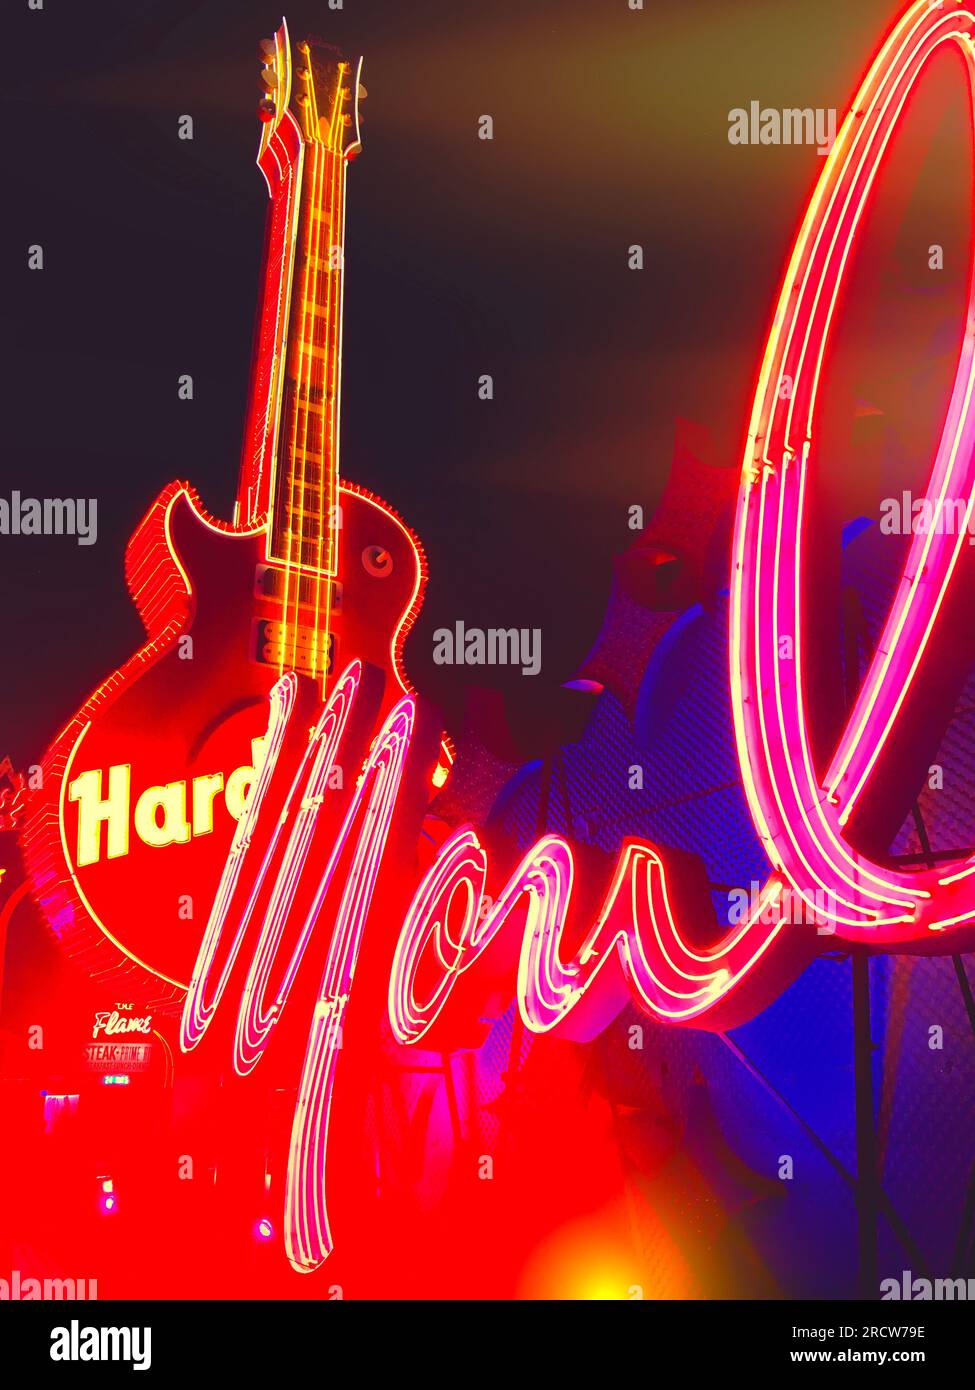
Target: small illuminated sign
x: 118, y: 1057
x: 117, y: 1021
x: 115, y: 1058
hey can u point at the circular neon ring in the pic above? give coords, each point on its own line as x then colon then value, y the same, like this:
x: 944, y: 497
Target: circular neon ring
x: 800, y: 817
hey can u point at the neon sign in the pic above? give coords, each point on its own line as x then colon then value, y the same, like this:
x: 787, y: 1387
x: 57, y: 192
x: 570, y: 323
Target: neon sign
x: 111, y: 1058
x: 112, y: 1022
x: 166, y: 814
x: 643, y: 939
x: 800, y: 820
x: 132, y: 1056
x: 145, y: 785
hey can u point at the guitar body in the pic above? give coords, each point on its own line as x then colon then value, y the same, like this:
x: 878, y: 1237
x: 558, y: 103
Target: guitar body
x: 129, y: 832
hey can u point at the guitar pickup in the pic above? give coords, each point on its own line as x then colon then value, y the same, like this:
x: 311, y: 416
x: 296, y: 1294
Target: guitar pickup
x: 313, y: 591
x: 306, y: 650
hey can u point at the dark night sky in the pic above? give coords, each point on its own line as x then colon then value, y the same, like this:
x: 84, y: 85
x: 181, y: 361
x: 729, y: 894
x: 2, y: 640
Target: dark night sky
x: 462, y: 258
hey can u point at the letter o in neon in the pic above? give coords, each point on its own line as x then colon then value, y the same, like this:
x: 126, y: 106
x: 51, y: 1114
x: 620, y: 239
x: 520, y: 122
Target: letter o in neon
x: 800, y: 816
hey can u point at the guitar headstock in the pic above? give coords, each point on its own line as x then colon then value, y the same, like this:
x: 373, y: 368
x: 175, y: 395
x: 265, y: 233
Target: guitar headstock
x: 322, y: 89
x: 276, y: 79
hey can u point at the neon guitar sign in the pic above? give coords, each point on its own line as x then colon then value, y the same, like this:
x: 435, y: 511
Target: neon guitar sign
x: 643, y: 941
x: 144, y: 786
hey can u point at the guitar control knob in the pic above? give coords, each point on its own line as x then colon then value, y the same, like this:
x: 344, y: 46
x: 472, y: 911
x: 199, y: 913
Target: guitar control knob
x: 377, y: 561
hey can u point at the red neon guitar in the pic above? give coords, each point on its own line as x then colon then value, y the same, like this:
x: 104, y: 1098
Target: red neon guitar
x: 141, y: 789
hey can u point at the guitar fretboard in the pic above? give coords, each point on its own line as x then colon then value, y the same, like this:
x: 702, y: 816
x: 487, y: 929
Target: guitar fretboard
x: 305, y: 487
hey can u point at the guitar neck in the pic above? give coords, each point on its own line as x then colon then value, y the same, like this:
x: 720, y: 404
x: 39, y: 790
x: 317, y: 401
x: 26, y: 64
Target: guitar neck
x: 290, y: 468
x: 289, y: 476
x: 304, y: 489
x: 281, y: 164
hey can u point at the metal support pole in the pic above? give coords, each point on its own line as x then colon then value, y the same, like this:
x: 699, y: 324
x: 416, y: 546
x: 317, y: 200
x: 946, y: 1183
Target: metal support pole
x: 867, y: 1197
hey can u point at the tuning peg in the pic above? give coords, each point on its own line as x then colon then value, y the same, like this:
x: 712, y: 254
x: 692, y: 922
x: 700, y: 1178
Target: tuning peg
x: 265, y: 109
x: 267, y: 50
x: 270, y: 78
x: 362, y: 92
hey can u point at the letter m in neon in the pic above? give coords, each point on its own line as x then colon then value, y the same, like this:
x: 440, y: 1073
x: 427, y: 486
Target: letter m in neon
x: 267, y: 902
